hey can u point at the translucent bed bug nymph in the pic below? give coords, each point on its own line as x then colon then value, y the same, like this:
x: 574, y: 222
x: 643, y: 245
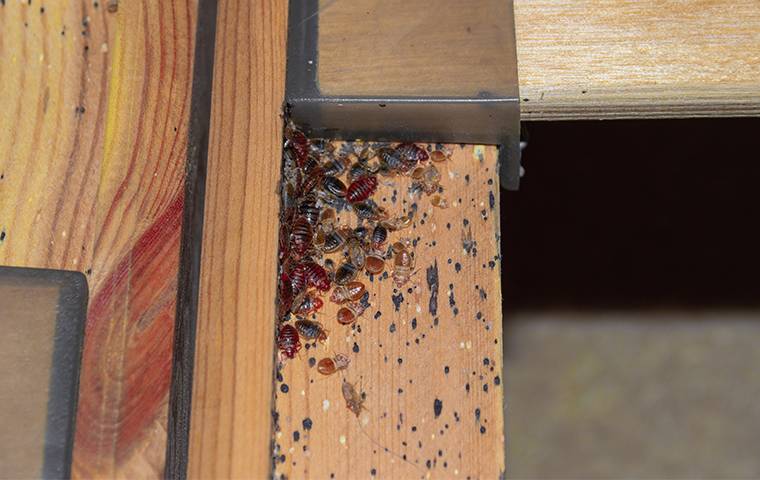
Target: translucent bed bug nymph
x: 328, y: 366
x: 350, y: 292
x: 354, y: 399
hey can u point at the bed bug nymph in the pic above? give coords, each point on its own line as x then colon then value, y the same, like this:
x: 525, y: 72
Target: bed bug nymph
x: 287, y: 341
x: 361, y: 189
x: 328, y: 366
x: 352, y: 291
x: 311, y: 330
x: 354, y: 399
x: 310, y: 304
x: 348, y: 314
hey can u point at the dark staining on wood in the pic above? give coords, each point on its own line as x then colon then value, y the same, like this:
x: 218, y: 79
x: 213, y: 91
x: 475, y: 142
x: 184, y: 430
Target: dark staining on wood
x: 397, y: 300
x: 437, y: 407
x: 432, y: 283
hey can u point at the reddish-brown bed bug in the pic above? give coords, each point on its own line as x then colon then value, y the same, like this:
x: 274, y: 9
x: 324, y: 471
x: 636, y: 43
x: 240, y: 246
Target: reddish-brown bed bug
x: 346, y: 273
x: 328, y: 366
x: 285, y: 293
x: 316, y: 277
x: 439, y: 156
x: 361, y: 189
x: 333, y: 186
x: 348, y: 314
x: 310, y: 181
x: 374, y: 264
x: 352, y: 291
x: 301, y: 235
x: 309, y: 304
x: 353, y: 398
x: 287, y: 341
x: 299, y: 143
x: 311, y: 330
x: 411, y: 154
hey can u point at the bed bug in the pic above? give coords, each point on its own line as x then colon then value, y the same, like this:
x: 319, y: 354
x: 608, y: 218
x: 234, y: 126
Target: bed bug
x: 285, y: 294
x: 309, y: 210
x: 309, y: 304
x: 348, y: 314
x: 361, y: 189
x: 352, y: 291
x: 328, y: 217
x: 355, y: 171
x: 284, y: 236
x: 360, y: 233
x: 374, y: 264
x: 316, y: 276
x: 354, y: 399
x: 399, y: 223
x: 337, y: 167
x: 287, y: 341
x: 403, y: 264
x: 311, y: 330
x: 333, y: 186
x: 369, y: 211
x: 333, y: 241
x: 411, y: 154
x: 379, y: 236
x: 299, y: 143
x: 391, y: 159
x: 345, y: 273
x: 301, y: 235
x: 438, y: 156
x: 356, y: 253
x: 328, y: 366
x: 310, y: 181
x: 439, y: 202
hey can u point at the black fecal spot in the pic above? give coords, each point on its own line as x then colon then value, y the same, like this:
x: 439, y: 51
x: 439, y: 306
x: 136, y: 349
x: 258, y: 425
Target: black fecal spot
x: 456, y: 311
x: 400, y: 391
x: 482, y: 429
x: 365, y: 300
x: 467, y: 178
x: 437, y: 407
x: 435, y: 323
x: 296, y: 436
x: 355, y: 348
x: 312, y: 361
x: 486, y: 361
x: 483, y: 294
x: 491, y: 264
x: 392, y: 328
x: 410, y: 290
x: 414, y: 324
x: 440, y: 453
x: 279, y: 376
x: 467, y: 387
x: 491, y: 200
x: 479, y: 315
x: 477, y: 415
x: 400, y: 360
x: 448, y: 261
x: 446, y: 369
x: 284, y: 388
x: 448, y: 226
x: 428, y: 463
x: 432, y: 283
x: 397, y: 300
x: 373, y: 472
x: 465, y: 222
x: 458, y: 267
x: 414, y: 428
x: 378, y: 314
x: 497, y: 380
x: 2, y: 235
x: 485, y: 387
x: 307, y: 423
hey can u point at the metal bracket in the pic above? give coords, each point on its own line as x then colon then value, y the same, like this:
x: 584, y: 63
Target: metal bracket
x: 478, y: 104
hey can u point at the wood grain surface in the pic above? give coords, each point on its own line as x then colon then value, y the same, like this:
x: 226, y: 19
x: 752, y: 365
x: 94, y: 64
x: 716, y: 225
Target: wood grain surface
x: 92, y: 162
x: 232, y: 383
x: 576, y: 58
x: 638, y: 59
x: 427, y: 355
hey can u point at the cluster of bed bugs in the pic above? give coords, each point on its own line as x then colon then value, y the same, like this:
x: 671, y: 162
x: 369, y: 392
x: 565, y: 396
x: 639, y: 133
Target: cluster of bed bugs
x: 321, y: 254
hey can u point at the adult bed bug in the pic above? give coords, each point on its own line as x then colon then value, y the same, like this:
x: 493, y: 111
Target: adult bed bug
x: 287, y: 341
x: 311, y: 330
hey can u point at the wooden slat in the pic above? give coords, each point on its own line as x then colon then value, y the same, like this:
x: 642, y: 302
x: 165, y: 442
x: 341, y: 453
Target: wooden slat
x: 232, y: 384
x: 92, y: 164
x: 436, y: 339
x: 638, y: 59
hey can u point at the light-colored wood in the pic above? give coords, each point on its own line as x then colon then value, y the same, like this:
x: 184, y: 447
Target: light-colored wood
x: 92, y: 162
x: 232, y: 382
x: 576, y: 58
x: 630, y: 58
x: 429, y: 343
